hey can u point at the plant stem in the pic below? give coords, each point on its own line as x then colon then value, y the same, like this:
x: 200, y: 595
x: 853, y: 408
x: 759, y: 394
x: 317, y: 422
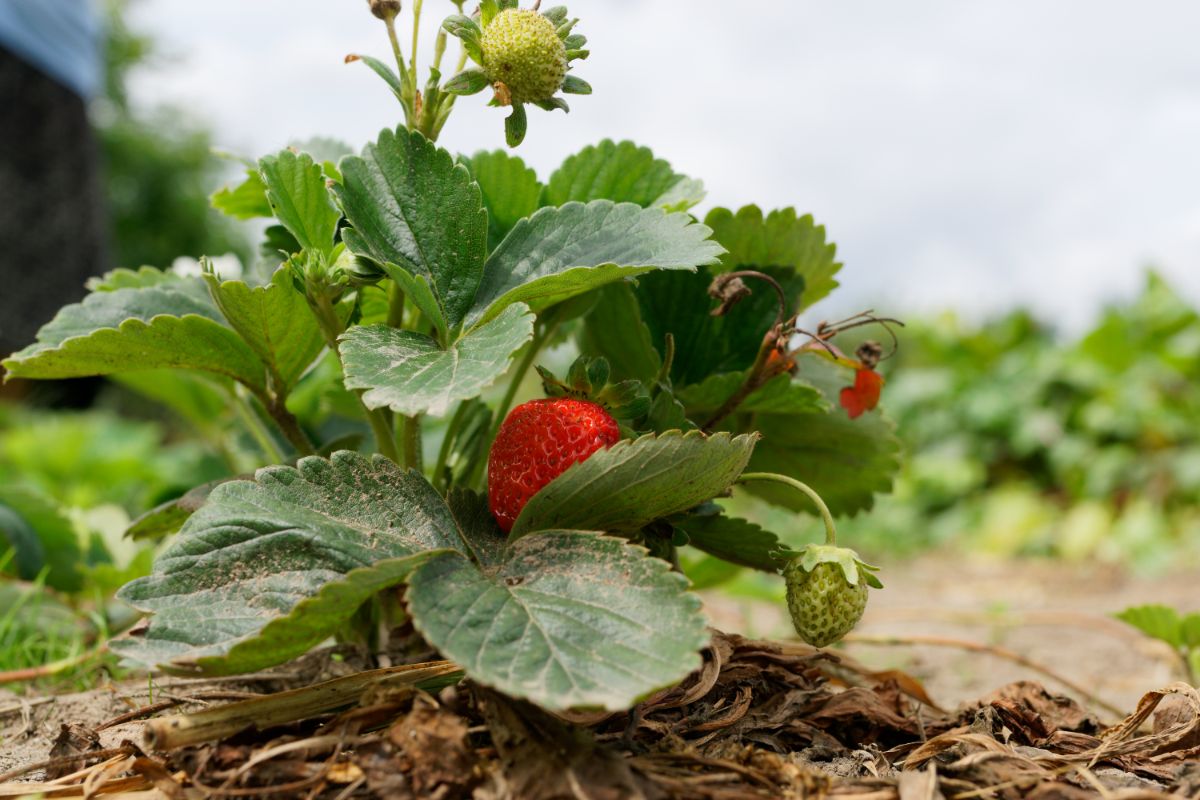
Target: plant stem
x: 439, y: 467
x: 378, y: 418
x: 411, y: 434
x: 254, y: 426
x: 289, y: 426
x: 439, y: 48
x: 390, y: 22
x: 830, y: 530
x: 395, y: 316
x: 415, y: 38
x: 540, y: 336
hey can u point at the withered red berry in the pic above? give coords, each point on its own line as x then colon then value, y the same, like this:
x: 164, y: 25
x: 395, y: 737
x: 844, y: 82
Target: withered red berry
x: 536, y: 444
x: 864, y: 394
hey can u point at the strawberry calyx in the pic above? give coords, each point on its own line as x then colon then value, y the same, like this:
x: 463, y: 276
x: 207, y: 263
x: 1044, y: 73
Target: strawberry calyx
x: 587, y: 379
x: 853, y: 567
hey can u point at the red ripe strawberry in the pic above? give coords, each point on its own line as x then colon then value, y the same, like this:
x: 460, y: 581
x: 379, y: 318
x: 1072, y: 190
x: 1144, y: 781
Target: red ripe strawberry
x: 536, y: 444
x: 864, y: 394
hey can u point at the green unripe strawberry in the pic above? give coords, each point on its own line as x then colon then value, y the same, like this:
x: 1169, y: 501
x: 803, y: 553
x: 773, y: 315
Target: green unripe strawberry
x: 522, y: 50
x: 827, y: 592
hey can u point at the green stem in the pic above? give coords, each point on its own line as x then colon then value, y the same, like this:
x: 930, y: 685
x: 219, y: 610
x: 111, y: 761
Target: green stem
x: 395, y: 317
x: 378, y: 418
x: 830, y: 530
x: 439, y: 467
x: 439, y: 48
x: 446, y: 102
x: 257, y: 430
x: 411, y: 434
x: 541, y: 334
x: 415, y: 38
x: 406, y: 82
x: 289, y: 426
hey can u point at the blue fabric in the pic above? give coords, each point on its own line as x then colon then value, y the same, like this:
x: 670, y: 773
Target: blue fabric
x: 62, y: 38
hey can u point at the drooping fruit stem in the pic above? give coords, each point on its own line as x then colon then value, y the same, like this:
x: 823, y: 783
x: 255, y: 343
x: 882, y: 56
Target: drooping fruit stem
x: 830, y: 530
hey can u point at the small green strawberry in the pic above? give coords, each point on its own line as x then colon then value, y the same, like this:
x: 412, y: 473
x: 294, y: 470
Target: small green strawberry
x: 524, y: 55
x: 827, y: 592
x: 523, y: 52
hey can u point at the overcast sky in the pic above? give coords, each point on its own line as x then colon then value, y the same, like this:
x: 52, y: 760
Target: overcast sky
x: 964, y: 154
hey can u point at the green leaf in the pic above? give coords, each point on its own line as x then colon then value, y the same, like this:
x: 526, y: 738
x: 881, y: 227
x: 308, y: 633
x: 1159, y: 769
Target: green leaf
x: 636, y: 482
x: 614, y: 329
x: 174, y: 324
x: 274, y: 320
x: 246, y: 200
x: 42, y: 535
x: 510, y: 189
x: 576, y: 85
x: 735, y: 540
x: 562, y: 252
x: 28, y: 554
x: 1157, y: 621
x: 199, y: 398
x: 411, y: 205
x: 167, y: 518
x: 479, y: 528
x: 469, y: 32
x: 300, y: 200
x: 678, y: 303
x: 780, y: 240
x: 780, y: 395
x: 623, y: 173
x: 515, y: 125
x: 469, y: 81
x: 1189, y: 631
x: 383, y: 71
x: 847, y: 461
x: 268, y: 568
x: 123, y: 278
x: 411, y: 374
x: 569, y: 620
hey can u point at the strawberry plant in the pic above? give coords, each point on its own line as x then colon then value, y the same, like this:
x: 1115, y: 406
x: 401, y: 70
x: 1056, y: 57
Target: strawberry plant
x: 536, y: 547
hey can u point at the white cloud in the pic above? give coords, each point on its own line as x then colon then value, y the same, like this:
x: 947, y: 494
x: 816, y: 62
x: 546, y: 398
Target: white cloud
x: 959, y: 153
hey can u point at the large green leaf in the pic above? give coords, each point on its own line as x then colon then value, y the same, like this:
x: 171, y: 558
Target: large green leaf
x: 735, y: 540
x: 300, y: 200
x: 780, y: 395
x: 635, y: 482
x: 268, y: 568
x: 412, y: 374
x: 780, y: 240
x: 624, y: 173
x: 678, y: 303
x: 173, y: 324
x: 562, y: 252
x: 41, y: 534
x: 568, y: 620
x: 411, y: 205
x: 847, y: 461
x: 511, y: 190
x: 614, y: 329
x: 274, y: 320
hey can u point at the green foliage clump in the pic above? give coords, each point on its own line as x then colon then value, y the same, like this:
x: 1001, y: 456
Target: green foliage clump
x: 1020, y: 442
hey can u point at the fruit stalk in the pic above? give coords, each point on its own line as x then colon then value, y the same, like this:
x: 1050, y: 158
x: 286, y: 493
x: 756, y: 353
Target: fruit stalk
x: 830, y: 530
